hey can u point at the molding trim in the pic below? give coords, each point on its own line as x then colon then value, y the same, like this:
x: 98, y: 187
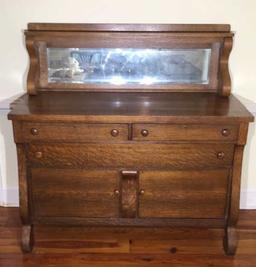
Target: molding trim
x: 248, y: 199
x: 10, y: 198
x: 5, y: 103
x: 249, y: 104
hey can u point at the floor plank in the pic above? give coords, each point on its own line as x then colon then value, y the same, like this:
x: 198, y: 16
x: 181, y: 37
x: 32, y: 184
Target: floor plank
x: 123, y: 247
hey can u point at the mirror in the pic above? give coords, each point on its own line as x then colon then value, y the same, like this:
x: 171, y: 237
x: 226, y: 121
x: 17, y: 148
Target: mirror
x: 128, y: 66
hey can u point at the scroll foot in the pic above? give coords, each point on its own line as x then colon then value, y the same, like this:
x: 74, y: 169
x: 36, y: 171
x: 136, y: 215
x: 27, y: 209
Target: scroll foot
x: 27, y: 239
x: 230, y: 240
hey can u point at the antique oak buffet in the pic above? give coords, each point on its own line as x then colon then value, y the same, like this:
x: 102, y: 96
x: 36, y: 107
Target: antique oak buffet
x: 129, y: 125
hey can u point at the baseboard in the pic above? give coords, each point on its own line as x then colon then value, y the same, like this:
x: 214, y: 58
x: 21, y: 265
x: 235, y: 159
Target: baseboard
x: 248, y: 199
x: 9, y: 197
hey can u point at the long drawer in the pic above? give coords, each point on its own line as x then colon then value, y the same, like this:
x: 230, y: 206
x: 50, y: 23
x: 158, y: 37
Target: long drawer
x: 77, y: 132
x: 135, y: 156
x: 178, y: 132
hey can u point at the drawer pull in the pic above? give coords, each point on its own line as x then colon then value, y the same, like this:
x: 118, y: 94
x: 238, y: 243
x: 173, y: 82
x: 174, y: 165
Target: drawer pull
x: 220, y: 155
x: 116, y: 192
x: 34, y: 131
x: 142, y: 191
x: 38, y: 154
x: 114, y: 132
x: 225, y: 132
x: 144, y: 132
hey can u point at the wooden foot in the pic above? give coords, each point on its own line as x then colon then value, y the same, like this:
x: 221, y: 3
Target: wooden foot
x: 27, y: 239
x: 230, y: 240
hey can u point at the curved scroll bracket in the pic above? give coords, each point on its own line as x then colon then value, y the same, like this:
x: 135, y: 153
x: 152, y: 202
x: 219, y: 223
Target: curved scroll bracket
x: 225, y: 79
x: 33, y: 72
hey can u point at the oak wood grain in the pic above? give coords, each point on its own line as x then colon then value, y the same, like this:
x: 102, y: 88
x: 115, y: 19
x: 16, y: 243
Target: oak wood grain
x: 194, y: 132
x: 23, y: 185
x: 143, y: 107
x: 137, y: 157
x: 75, y: 132
x: 134, y: 222
x: 184, y: 194
x: 129, y: 27
x: 33, y: 73
x: 76, y: 193
x: 225, y: 81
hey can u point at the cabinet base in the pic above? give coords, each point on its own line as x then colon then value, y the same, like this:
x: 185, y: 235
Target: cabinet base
x: 230, y: 240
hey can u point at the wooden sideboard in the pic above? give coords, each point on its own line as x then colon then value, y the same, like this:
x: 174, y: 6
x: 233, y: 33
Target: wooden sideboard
x: 166, y: 151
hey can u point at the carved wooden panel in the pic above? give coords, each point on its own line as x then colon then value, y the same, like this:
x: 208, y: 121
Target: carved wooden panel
x: 129, y: 194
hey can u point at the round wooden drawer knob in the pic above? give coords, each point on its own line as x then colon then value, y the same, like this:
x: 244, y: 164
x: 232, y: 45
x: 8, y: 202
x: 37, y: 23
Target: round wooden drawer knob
x: 220, y: 155
x: 144, y: 132
x: 38, y: 154
x: 34, y: 131
x: 114, y: 132
x: 225, y: 132
x: 116, y: 192
x: 142, y: 191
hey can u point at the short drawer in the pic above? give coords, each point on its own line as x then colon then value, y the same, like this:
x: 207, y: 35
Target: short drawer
x: 136, y: 156
x: 72, y: 132
x: 169, y: 132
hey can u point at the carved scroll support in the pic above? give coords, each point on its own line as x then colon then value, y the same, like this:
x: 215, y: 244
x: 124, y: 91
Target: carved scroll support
x: 231, y: 236
x: 27, y: 227
x: 33, y: 73
x: 225, y: 80
x: 129, y: 185
x: 23, y: 184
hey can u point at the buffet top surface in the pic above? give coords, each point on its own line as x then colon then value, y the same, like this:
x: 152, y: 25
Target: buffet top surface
x: 129, y: 107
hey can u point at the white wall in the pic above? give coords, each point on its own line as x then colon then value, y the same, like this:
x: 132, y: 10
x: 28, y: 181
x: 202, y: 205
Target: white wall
x: 15, y: 14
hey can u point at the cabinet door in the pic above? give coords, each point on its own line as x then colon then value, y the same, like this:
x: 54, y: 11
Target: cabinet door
x: 183, y: 194
x: 74, y: 193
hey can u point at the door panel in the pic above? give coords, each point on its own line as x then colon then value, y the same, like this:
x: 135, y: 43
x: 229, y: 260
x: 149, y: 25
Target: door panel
x: 183, y: 194
x: 77, y: 193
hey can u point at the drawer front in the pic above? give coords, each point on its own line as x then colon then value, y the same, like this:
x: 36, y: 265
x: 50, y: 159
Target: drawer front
x: 73, y: 132
x: 74, y: 193
x: 183, y: 194
x: 169, y: 132
x: 135, y: 156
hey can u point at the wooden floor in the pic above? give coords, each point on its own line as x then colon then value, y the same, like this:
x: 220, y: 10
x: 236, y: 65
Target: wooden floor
x: 65, y: 247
